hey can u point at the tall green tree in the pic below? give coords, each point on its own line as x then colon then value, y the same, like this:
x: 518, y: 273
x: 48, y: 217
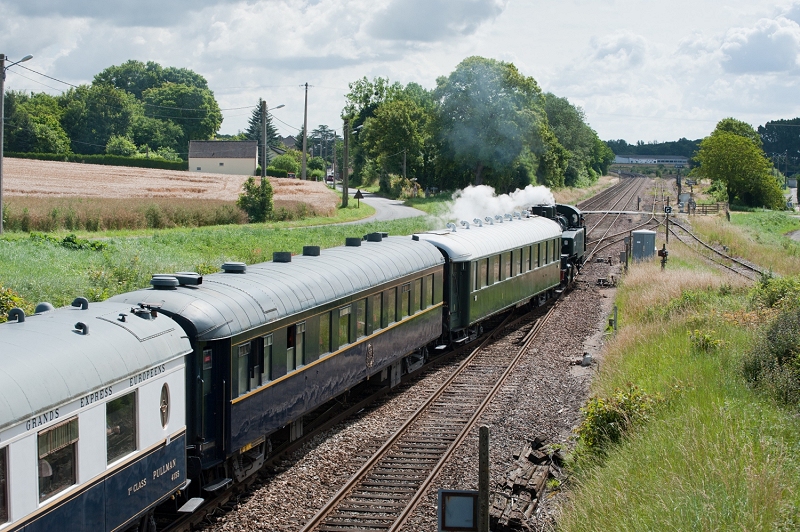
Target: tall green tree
x: 396, y: 129
x: 736, y: 161
x: 93, y: 114
x: 136, y: 77
x: 488, y: 112
x: 254, y: 129
x: 569, y: 125
x: 193, y: 109
x: 33, y: 124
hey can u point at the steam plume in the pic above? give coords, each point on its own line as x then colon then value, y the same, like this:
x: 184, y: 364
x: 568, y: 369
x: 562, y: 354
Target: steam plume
x: 481, y: 201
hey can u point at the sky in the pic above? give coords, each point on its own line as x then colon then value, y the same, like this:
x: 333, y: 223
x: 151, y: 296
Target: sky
x: 640, y: 69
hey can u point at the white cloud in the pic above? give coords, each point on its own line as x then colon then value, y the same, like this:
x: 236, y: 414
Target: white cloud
x: 772, y: 45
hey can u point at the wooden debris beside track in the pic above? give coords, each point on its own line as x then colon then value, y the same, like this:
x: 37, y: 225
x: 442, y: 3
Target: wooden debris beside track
x: 513, y: 502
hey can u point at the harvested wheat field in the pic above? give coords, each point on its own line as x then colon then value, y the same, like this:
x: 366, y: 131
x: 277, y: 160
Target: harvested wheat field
x: 27, y: 177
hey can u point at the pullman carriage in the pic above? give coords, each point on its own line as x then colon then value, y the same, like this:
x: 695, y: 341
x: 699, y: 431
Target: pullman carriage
x: 92, y: 431
x: 276, y: 340
x: 495, y: 265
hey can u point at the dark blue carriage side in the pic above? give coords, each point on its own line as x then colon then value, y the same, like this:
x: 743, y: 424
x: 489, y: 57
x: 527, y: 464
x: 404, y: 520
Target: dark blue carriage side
x: 117, y: 500
x: 246, y: 378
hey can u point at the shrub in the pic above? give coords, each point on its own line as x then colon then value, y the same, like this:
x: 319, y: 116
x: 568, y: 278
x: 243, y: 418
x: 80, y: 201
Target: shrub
x: 773, y: 363
x: 119, y: 145
x: 780, y: 292
x: 113, y: 160
x: 10, y: 299
x: 276, y: 172
x: 606, y: 420
x: 256, y: 200
x: 703, y: 341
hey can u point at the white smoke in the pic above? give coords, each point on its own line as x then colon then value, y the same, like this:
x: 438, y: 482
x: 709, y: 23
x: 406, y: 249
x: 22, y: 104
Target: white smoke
x: 481, y: 201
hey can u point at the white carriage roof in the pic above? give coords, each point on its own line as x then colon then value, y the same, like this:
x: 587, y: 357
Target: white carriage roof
x: 476, y: 242
x: 45, y: 361
x: 226, y: 304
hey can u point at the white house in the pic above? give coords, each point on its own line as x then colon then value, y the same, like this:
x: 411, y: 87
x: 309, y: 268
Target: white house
x: 236, y: 157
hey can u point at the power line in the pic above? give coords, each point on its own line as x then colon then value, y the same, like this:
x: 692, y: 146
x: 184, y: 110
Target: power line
x: 46, y: 76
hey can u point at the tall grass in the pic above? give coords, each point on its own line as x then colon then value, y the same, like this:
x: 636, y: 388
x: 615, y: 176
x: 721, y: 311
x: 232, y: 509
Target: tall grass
x: 757, y: 236
x: 33, y: 213
x: 716, y: 456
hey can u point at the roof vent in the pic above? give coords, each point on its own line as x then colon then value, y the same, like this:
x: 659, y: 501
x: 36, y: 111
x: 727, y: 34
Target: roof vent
x: 478, y: 222
x: 526, y: 214
x: 43, y: 307
x: 489, y: 220
x: 16, y: 313
x: 451, y: 226
x: 352, y: 242
x: 82, y: 328
x: 498, y: 218
x: 415, y: 238
x: 81, y: 302
x: 311, y: 251
x: 282, y: 256
x: 465, y: 224
x: 164, y: 282
x: 508, y: 217
x: 188, y: 278
x: 516, y: 215
x: 385, y: 235
x: 374, y: 237
x: 234, y: 267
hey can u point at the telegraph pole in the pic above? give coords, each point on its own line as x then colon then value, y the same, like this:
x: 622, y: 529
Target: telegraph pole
x: 263, y: 140
x: 2, y: 128
x: 345, y: 165
x: 305, y: 134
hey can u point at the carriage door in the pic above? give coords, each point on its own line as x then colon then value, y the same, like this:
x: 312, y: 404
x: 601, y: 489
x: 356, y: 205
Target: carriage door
x: 211, y: 388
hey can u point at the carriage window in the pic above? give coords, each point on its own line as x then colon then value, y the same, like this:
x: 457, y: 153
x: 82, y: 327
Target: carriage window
x: 325, y: 333
x: 375, y: 307
x: 495, y: 269
x: 429, y: 291
x: 361, y: 318
x: 295, y: 346
x: 506, y: 265
x: 526, y: 259
x: 3, y: 486
x: 405, y: 293
x: 300, y: 350
x: 391, y: 307
x: 240, y: 370
x: 484, y: 272
x: 556, y: 251
x: 57, y: 452
x: 416, y: 297
x: 120, y: 427
x: 266, y: 363
x: 475, y: 276
x: 344, y: 326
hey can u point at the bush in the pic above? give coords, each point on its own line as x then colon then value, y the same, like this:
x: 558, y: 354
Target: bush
x: 606, y: 420
x: 10, y: 299
x: 119, y: 145
x: 773, y: 363
x: 316, y: 175
x: 396, y: 187
x: 276, y: 172
x: 776, y: 292
x: 256, y: 200
x: 111, y: 160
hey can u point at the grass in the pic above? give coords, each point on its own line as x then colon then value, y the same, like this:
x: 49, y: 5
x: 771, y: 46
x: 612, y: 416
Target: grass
x: 41, y: 270
x: 760, y: 236
x: 716, y: 456
x: 435, y: 205
x: 571, y: 195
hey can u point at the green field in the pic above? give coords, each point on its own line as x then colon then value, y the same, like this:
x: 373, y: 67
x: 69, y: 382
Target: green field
x: 701, y: 447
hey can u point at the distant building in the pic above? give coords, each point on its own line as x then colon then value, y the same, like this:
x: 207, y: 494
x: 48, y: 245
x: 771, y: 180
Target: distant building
x: 289, y: 142
x: 667, y: 160
x: 234, y: 157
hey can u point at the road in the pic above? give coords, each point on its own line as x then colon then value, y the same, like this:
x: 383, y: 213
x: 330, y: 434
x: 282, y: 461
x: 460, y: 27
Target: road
x: 385, y: 209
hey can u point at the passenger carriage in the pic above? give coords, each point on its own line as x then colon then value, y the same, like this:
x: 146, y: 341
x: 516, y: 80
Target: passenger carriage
x: 274, y: 341
x: 494, y: 265
x: 92, y: 407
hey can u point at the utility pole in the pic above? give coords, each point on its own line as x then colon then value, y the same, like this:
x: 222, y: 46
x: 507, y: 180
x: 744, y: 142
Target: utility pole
x: 345, y: 165
x: 2, y: 128
x: 263, y: 140
x: 305, y: 135
x: 404, y: 164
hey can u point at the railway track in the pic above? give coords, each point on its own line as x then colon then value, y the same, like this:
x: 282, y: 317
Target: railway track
x: 391, y: 483
x: 721, y: 259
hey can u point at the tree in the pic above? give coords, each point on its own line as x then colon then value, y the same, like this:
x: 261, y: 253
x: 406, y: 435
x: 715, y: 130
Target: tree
x: 781, y: 140
x: 396, y: 128
x: 256, y: 200
x: 136, y: 77
x: 743, y: 129
x: 254, y: 128
x: 193, y: 109
x: 285, y: 162
x: 156, y: 133
x: 93, y: 114
x: 33, y: 124
x: 738, y: 163
x: 316, y: 163
x: 119, y: 145
x: 569, y: 125
x: 487, y: 113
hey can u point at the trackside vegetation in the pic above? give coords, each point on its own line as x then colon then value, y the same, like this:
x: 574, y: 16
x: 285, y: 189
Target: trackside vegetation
x: 693, y: 424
